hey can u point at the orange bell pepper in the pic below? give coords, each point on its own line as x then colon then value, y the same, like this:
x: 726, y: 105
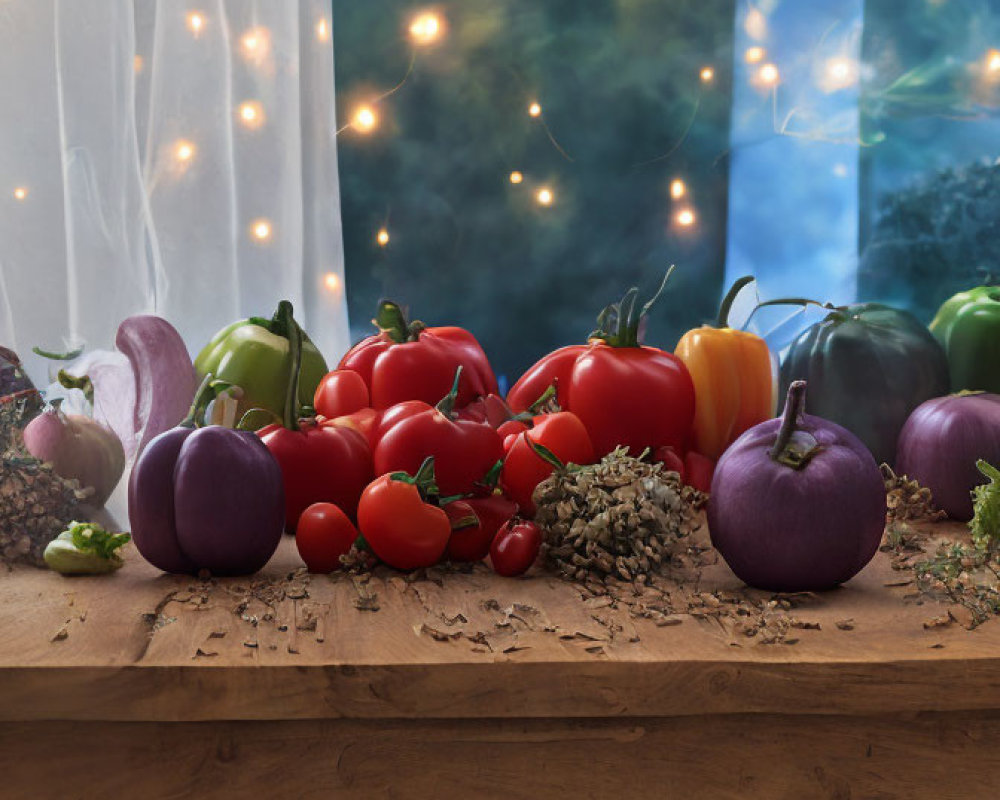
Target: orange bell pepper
x: 735, y: 379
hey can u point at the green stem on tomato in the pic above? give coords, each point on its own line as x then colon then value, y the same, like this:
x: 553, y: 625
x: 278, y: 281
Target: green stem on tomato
x: 53, y: 356
x: 722, y: 321
x: 390, y: 319
x: 618, y: 324
x: 792, y: 447
x: 424, y: 480
x: 446, y: 405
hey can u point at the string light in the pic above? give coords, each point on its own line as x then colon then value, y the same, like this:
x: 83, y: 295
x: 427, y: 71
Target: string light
x: 677, y: 188
x: 383, y: 237
x: 20, y: 193
x: 255, y: 44
x: 839, y: 73
x: 754, y: 55
x: 768, y: 75
x: 426, y: 28
x: 534, y: 110
x: 332, y: 281
x: 707, y: 74
x: 365, y: 119
x: 544, y: 196
x: 516, y: 177
x: 260, y: 229
x: 251, y: 114
x: 183, y: 150
x: 755, y: 24
x: 685, y: 218
x: 993, y: 61
x: 323, y: 30
x: 195, y: 22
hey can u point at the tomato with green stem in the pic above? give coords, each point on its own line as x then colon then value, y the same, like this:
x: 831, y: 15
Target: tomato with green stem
x: 624, y: 392
x: 400, y: 520
x: 515, y: 547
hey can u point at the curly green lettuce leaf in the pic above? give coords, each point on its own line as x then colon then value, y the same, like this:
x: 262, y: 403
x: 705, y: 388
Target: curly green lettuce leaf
x: 985, y: 522
x: 85, y: 549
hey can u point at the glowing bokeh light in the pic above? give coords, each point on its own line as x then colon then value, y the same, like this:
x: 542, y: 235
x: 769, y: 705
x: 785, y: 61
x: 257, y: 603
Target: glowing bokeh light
x: 332, y: 281
x: 20, y: 193
x: 251, y: 114
x: 677, y: 188
x: 534, y: 110
x: 768, y: 75
x: 323, y: 30
x: 426, y: 28
x: 754, y: 55
x: 383, y: 237
x: 195, y: 22
x: 544, y: 196
x: 685, y: 218
x: 707, y: 74
x: 365, y: 119
x: 184, y: 150
x: 261, y: 230
x: 993, y: 61
x: 516, y: 177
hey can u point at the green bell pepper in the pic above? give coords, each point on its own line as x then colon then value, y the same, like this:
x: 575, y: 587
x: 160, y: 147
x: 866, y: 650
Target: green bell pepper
x: 868, y: 366
x: 968, y: 327
x: 254, y: 355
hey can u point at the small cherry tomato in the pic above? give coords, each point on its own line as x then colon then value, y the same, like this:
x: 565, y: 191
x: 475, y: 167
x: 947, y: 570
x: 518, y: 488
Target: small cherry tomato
x: 523, y: 469
x: 671, y: 461
x: 472, y: 543
x: 324, y: 534
x: 399, y: 525
x: 515, y: 547
x: 340, y: 392
x: 699, y: 470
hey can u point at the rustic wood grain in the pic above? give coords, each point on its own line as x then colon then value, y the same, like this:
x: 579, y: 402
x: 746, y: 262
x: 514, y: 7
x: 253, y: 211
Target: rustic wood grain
x: 140, y: 645
x: 725, y: 757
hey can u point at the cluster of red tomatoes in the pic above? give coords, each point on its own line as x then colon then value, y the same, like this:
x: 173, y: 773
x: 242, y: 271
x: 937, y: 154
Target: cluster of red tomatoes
x: 415, y: 450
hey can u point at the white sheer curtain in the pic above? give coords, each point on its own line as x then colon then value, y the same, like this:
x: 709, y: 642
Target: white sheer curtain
x: 167, y: 156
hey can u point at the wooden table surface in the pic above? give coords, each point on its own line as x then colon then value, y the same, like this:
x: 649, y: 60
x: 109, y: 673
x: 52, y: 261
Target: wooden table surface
x: 522, y: 686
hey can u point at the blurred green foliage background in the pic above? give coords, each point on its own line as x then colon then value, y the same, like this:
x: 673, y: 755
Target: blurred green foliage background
x: 621, y: 94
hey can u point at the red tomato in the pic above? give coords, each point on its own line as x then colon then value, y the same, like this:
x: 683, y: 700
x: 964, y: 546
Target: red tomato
x: 515, y: 547
x: 409, y: 361
x: 323, y: 535
x: 699, y: 470
x: 319, y: 463
x: 492, y: 409
x: 401, y: 528
x: 564, y: 434
x: 625, y: 393
x: 671, y: 461
x: 472, y: 543
x: 340, y: 392
x: 513, y: 427
x: 463, y: 450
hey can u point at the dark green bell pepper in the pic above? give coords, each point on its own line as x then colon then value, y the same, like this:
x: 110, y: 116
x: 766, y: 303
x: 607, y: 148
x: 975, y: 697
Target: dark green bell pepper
x: 868, y: 366
x: 254, y: 355
x: 968, y: 327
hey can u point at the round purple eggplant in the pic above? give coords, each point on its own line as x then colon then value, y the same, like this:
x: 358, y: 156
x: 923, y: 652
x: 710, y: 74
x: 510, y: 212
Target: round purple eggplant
x: 797, y: 503
x: 941, y: 442
x: 209, y: 498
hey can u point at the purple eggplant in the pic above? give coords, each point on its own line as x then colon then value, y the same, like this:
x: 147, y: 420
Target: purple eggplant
x: 941, y: 442
x: 797, y: 503
x: 208, y: 498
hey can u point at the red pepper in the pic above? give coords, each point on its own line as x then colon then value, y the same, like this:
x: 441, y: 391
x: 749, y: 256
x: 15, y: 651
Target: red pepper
x: 625, y: 393
x: 319, y: 463
x: 561, y: 433
x: 409, y: 361
x: 463, y: 450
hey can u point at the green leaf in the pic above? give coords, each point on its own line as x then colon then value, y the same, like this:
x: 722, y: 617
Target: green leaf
x: 985, y: 523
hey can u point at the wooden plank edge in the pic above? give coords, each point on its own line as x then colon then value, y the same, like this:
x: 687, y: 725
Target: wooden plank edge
x: 498, y: 690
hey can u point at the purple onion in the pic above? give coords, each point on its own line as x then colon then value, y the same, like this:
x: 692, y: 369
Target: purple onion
x: 797, y: 503
x: 941, y: 442
x: 210, y: 499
